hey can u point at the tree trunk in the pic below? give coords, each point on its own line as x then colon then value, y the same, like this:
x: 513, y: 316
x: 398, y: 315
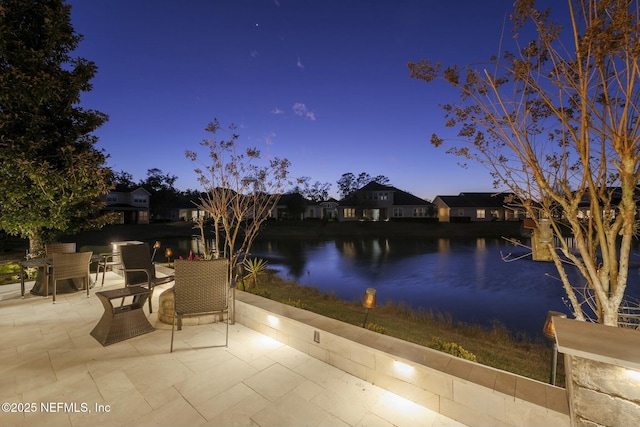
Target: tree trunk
x: 36, y: 243
x: 609, y: 314
x: 217, y: 239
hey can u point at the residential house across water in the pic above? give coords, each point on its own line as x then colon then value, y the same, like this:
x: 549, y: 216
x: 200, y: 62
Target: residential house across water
x: 130, y: 206
x: 378, y: 202
x: 475, y: 207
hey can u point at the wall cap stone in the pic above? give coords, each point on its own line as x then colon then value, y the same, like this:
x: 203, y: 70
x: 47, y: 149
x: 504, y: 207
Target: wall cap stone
x: 595, y: 341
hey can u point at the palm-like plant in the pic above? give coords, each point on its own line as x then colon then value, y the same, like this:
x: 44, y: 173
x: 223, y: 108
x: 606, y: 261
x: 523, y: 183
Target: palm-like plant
x: 253, y: 268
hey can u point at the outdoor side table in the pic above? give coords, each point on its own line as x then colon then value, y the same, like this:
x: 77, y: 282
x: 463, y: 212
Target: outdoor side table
x: 121, y: 323
x: 39, y: 263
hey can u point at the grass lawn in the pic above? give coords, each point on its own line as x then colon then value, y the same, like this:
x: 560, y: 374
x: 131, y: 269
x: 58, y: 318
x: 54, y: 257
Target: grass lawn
x: 494, y: 346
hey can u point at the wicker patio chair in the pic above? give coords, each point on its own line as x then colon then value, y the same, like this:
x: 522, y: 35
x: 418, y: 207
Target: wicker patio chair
x: 108, y: 260
x: 66, y: 248
x: 69, y: 266
x: 139, y: 270
x: 201, y: 288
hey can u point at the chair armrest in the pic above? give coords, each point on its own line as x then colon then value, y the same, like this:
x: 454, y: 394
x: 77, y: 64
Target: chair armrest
x: 109, y: 256
x: 131, y: 270
x: 162, y: 280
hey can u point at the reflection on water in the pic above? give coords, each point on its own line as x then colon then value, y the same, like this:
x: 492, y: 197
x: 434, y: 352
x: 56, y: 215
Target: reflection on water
x: 467, y: 278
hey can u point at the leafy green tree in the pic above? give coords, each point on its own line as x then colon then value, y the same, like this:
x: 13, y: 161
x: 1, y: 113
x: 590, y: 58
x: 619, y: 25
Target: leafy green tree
x: 556, y: 121
x: 51, y: 174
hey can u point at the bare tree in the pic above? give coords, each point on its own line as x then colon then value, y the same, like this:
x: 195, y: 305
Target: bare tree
x: 557, y: 122
x: 240, y: 193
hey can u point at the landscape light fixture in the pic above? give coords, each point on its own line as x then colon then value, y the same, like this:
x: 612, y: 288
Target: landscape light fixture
x: 549, y: 331
x: 368, y: 302
x: 239, y: 276
x: 168, y: 253
x: 156, y: 246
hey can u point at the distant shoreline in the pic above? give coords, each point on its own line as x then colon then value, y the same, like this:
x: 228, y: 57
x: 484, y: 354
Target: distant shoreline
x: 415, y: 229
x: 15, y: 247
x: 280, y: 230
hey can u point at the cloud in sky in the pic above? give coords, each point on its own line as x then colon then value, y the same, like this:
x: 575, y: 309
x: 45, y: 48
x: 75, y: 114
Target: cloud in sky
x: 299, y: 64
x: 277, y: 111
x: 254, y: 53
x: 269, y: 138
x: 299, y: 109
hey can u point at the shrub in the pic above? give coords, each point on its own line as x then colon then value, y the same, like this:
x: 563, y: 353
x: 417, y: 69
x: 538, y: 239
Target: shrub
x: 451, y: 348
x: 254, y: 267
x: 9, y: 268
x: 376, y: 328
x: 9, y: 273
x: 297, y: 303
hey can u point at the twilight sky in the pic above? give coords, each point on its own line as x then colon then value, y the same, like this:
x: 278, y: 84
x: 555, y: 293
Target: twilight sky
x: 323, y: 83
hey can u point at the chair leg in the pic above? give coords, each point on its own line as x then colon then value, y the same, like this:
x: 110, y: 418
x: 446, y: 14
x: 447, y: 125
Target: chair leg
x: 45, y: 279
x: 54, y: 290
x: 104, y: 273
x: 97, y: 273
x: 150, y: 295
x: 173, y: 324
x: 226, y: 343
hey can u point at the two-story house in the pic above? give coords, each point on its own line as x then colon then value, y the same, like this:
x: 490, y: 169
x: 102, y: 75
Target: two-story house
x: 130, y: 206
x: 378, y: 202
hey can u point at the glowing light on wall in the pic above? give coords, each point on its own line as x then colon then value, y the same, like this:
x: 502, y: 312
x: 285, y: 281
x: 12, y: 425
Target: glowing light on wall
x: 273, y: 320
x: 403, y: 368
x: 634, y: 375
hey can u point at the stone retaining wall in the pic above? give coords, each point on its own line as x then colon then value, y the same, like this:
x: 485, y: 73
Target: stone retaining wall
x: 603, y: 394
x: 603, y: 372
x: 471, y: 393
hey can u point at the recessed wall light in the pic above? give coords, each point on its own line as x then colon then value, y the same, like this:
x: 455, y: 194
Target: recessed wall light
x: 403, y: 368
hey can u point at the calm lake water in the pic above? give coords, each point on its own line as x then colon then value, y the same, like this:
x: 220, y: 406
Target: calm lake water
x: 466, y: 278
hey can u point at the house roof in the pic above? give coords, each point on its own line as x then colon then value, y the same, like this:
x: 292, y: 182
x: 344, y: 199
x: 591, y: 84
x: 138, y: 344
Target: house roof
x: 120, y: 188
x: 403, y: 198
x: 186, y: 202
x: 376, y: 186
x: 400, y: 198
x: 295, y: 198
x: 476, y: 200
x: 616, y: 196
